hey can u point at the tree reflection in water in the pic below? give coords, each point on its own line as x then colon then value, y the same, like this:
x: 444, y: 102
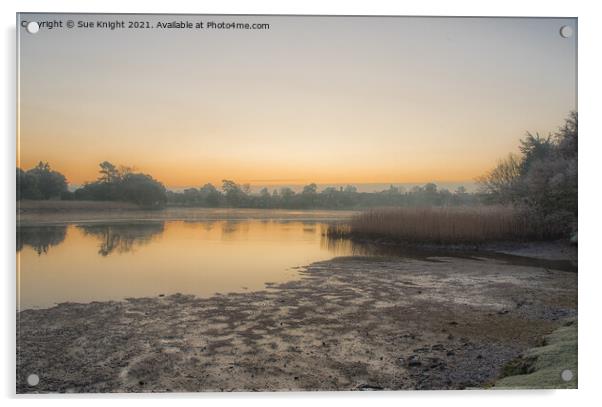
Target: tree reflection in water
x: 40, y: 238
x: 123, y: 238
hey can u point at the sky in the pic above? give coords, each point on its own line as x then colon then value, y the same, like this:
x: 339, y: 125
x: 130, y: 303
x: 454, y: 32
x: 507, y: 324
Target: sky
x: 331, y: 100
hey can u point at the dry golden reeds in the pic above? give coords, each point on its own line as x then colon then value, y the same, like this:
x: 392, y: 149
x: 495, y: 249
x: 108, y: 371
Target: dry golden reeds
x: 443, y: 224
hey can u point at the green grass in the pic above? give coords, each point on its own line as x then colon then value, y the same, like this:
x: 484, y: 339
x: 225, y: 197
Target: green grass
x: 540, y: 368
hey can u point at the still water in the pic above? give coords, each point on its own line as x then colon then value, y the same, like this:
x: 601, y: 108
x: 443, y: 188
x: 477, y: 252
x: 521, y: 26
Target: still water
x: 100, y: 262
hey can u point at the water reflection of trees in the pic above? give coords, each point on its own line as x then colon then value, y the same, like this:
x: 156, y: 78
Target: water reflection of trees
x: 231, y: 227
x: 310, y: 227
x: 123, y: 238
x: 40, y: 238
x: 232, y: 230
x: 206, y: 225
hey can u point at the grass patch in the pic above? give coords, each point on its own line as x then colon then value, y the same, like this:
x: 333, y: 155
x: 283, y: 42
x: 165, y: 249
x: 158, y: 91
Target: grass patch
x: 541, y: 367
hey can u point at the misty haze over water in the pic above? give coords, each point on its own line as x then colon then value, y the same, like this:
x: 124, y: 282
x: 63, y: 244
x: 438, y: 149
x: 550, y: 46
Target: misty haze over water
x: 470, y: 186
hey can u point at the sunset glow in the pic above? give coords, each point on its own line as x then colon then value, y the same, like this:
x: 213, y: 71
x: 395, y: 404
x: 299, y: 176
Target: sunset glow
x: 310, y: 100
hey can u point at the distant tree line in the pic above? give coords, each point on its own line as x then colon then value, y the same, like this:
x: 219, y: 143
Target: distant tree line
x: 123, y: 184
x: 114, y: 184
x: 542, y: 179
x: 236, y: 195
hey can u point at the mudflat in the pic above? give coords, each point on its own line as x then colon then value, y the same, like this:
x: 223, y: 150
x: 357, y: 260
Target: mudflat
x: 351, y: 323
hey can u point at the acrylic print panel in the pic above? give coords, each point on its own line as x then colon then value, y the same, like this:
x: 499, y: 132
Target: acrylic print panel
x: 286, y: 203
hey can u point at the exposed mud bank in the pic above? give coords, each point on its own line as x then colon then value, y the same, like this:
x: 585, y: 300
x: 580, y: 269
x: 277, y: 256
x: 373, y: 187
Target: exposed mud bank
x: 555, y: 250
x: 354, y: 323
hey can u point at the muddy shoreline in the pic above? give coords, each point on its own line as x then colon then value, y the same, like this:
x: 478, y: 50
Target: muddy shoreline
x: 352, y: 323
x: 552, y: 250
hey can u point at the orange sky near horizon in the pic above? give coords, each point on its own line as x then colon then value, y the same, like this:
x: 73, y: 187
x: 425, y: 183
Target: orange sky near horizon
x: 314, y: 99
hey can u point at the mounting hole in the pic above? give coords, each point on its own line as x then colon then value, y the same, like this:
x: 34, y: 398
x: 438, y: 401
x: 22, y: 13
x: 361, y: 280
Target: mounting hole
x: 566, y: 375
x: 33, y: 27
x: 566, y: 31
x: 33, y: 379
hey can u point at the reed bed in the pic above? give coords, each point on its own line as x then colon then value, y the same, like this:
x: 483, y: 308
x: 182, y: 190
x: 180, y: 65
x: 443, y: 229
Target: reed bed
x: 444, y: 225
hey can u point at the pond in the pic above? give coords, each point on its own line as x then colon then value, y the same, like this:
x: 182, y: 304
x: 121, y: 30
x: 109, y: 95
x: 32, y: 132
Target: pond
x: 200, y: 252
x: 112, y: 261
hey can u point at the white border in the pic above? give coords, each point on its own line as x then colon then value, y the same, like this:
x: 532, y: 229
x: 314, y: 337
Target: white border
x: 589, y: 196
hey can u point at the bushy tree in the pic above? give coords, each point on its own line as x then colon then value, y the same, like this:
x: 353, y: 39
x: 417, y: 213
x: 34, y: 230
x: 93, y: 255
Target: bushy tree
x: 235, y: 196
x: 124, y: 185
x: 534, y: 148
x: 210, y: 195
x: 40, y: 182
x: 109, y: 174
x: 543, y: 179
x: 27, y: 186
x: 143, y: 190
x: 310, y: 189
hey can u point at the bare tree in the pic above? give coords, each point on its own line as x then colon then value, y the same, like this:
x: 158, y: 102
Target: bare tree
x: 500, y: 182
